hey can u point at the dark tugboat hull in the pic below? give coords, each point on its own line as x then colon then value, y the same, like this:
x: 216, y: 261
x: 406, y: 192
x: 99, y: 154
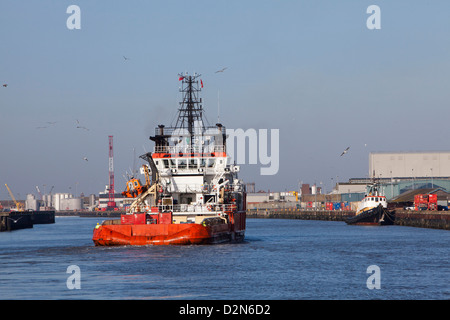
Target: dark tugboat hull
x: 377, y: 216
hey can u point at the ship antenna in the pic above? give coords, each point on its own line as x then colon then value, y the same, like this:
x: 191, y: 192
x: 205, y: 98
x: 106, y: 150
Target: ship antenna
x: 218, y: 107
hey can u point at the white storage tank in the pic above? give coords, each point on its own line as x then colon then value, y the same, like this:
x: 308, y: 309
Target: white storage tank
x: 71, y: 204
x: 58, y: 198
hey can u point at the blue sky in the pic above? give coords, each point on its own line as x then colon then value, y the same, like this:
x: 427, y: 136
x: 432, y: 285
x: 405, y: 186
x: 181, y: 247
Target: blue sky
x: 309, y: 68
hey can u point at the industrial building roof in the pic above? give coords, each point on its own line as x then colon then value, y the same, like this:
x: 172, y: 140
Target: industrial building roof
x: 408, y: 196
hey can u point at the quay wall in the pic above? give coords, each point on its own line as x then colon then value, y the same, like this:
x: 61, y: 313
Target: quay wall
x: 16, y: 220
x: 419, y: 219
x: 43, y: 217
x: 300, y: 214
x: 90, y: 214
x: 423, y: 219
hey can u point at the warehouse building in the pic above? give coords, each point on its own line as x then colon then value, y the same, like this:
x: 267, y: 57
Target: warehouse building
x: 416, y: 165
x: 399, y: 172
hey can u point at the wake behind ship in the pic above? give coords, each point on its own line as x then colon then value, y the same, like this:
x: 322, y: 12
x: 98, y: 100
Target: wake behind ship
x: 192, y: 194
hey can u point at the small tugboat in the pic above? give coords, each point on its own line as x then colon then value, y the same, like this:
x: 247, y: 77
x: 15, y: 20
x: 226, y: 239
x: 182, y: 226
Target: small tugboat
x: 192, y: 194
x: 372, y: 210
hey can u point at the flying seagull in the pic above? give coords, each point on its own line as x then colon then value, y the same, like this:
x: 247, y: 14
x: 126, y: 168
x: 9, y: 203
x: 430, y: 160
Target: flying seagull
x: 81, y: 127
x: 15, y: 221
x: 125, y: 58
x: 85, y: 158
x: 345, y: 151
x: 5, y: 85
x: 221, y: 70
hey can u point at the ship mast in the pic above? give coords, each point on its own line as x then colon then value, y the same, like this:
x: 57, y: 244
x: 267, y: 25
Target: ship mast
x: 190, y: 134
x: 191, y: 110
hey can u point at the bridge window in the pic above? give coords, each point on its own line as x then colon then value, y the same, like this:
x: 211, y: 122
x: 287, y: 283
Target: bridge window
x: 193, y: 163
x: 181, y: 163
x: 211, y: 163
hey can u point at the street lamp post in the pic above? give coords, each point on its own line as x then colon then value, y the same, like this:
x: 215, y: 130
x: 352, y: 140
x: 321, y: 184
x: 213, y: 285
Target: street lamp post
x: 432, y: 185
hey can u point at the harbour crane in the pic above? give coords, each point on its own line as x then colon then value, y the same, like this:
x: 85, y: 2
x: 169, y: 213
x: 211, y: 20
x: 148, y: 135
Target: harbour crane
x: 19, y: 205
x: 39, y: 191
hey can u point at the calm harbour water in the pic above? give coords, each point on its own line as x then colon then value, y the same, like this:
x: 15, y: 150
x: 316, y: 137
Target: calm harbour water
x: 280, y: 259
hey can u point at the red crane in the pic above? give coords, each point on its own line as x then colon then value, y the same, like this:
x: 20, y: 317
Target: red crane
x: 111, y: 202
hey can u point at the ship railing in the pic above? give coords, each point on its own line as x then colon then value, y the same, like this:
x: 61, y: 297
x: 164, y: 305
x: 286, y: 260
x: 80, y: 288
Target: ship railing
x: 197, y: 208
x: 188, y: 149
x: 199, y: 131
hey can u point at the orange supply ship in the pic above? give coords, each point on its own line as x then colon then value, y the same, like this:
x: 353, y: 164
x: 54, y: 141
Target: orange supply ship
x: 192, y: 193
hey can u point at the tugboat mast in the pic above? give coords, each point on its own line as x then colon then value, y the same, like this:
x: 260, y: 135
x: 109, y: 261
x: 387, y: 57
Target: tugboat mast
x: 190, y: 133
x: 191, y: 109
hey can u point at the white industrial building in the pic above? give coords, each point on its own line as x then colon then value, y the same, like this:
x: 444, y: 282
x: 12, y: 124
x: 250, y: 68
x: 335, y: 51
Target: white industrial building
x: 58, y: 201
x: 265, y: 197
x: 409, y: 164
x: 31, y: 203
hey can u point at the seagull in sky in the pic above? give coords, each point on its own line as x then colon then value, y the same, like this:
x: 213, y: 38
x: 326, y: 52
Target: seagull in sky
x: 125, y: 58
x: 221, y: 70
x: 81, y: 127
x: 345, y: 151
x: 84, y: 158
x: 5, y: 85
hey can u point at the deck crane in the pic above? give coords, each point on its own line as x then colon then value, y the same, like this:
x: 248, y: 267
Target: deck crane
x: 19, y: 205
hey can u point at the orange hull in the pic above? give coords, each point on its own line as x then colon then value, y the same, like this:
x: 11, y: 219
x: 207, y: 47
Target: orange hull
x: 164, y: 234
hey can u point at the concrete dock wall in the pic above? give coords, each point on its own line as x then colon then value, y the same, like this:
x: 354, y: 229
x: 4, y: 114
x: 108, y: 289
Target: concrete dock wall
x: 420, y: 219
x: 300, y: 214
x: 91, y: 214
x: 16, y: 220
x: 43, y: 217
x: 423, y: 219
